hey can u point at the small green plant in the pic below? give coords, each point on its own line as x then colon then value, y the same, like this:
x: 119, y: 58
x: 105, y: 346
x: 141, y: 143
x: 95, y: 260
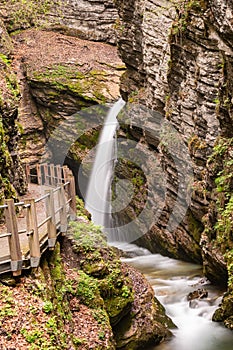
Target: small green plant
x: 79, y: 341
x: 126, y: 291
x: 48, y: 306
x: 32, y: 336
x: 5, y: 59
x: 87, y: 290
x: 101, y: 335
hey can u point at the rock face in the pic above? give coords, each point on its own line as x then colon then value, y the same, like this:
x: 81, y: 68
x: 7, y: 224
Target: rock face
x: 12, y: 177
x: 58, y: 80
x: 179, y: 62
x: 87, y: 19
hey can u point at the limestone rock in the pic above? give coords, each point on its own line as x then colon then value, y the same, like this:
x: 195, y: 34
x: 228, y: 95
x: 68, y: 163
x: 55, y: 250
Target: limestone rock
x: 179, y: 62
x: 147, y: 323
x: 87, y: 19
x: 59, y: 80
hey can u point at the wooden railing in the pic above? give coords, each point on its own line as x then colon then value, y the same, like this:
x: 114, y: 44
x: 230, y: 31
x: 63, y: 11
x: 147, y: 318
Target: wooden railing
x: 41, y: 219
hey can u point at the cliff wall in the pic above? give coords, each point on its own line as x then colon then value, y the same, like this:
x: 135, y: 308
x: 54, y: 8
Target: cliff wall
x: 87, y: 19
x: 12, y: 178
x: 179, y: 62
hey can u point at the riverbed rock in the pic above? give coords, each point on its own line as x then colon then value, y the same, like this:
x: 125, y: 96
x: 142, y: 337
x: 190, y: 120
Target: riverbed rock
x: 225, y: 311
x: 146, y: 323
x: 198, y: 294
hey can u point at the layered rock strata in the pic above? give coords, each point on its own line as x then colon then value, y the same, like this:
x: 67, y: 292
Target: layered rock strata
x: 182, y: 62
x: 87, y: 19
x: 59, y: 75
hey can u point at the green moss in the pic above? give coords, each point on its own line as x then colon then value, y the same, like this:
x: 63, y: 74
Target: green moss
x: 220, y: 228
x: 24, y: 14
x: 103, y: 265
x: 88, y: 291
x: 65, y: 78
x: 4, y: 59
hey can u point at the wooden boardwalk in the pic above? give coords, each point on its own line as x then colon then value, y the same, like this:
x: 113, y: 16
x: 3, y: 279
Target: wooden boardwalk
x: 33, y: 224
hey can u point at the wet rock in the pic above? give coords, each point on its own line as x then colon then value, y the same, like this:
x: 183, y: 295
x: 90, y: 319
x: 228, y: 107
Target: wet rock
x: 146, y: 322
x: 198, y: 294
x: 136, y: 316
x: 225, y: 311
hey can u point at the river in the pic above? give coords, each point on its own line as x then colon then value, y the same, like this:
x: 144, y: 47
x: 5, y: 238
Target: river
x: 172, y: 281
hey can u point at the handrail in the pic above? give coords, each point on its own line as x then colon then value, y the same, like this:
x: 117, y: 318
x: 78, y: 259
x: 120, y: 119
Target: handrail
x: 60, y: 207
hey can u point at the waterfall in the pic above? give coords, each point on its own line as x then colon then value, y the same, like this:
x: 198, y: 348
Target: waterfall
x: 97, y: 197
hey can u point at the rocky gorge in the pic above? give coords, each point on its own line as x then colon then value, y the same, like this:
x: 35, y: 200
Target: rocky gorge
x: 176, y: 59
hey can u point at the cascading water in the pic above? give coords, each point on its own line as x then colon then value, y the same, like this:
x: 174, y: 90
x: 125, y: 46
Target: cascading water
x: 172, y: 280
x: 96, y: 201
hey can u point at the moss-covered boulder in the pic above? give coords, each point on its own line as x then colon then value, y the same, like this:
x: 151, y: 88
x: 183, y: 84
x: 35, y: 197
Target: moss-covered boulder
x: 146, y: 323
x: 225, y: 312
x: 136, y: 317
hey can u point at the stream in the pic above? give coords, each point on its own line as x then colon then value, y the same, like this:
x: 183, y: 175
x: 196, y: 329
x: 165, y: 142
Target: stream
x: 172, y: 281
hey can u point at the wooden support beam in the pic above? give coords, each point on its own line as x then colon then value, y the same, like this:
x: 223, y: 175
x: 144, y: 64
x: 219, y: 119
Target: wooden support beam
x: 27, y: 171
x: 65, y: 173
x: 51, y: 224
x: 58, y: 174
x: 33, y: 234
x: 38, y: 171
x: 13, y: 239
x: 46, y: 174
x: 52, y: 175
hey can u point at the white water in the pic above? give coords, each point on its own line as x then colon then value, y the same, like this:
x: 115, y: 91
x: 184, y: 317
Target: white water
x: 172, y: 281
x: 96, y: 201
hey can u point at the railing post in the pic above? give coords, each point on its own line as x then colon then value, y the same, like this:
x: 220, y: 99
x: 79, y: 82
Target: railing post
x: 65, y: 173
x: 52, y: 175
x: 33, y: 237
x: 51, y: 225
x: 14, y: 243
x: 38, y: 171
x: 63, y: 214
x: 46, y: 174
x: 72, y: 196
x: 27, y: 170
x: 59, y: 174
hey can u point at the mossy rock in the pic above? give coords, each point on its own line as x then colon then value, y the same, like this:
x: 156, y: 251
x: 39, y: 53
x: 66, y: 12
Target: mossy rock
x: 225, y: 312
x: 90, y: 86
